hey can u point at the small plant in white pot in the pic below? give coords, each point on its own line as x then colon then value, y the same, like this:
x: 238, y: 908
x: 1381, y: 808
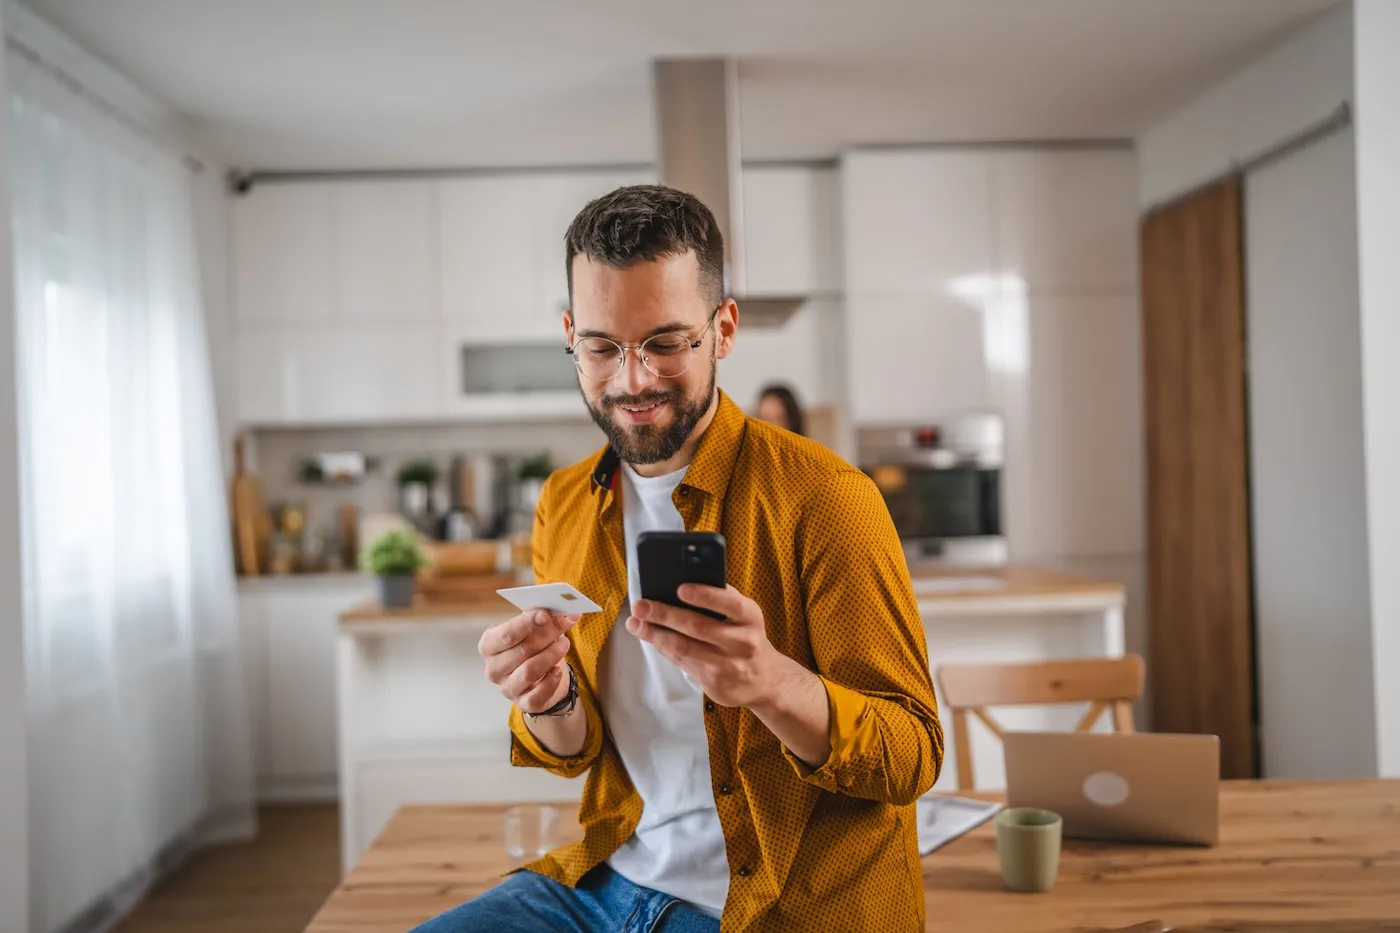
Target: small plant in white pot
x: 394, y: 558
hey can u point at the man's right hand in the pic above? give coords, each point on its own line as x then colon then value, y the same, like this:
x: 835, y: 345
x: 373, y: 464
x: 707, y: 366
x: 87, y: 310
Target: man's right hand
x: 525, y: 658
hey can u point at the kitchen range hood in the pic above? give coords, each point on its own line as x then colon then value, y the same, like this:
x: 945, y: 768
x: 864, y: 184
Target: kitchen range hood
x: 697, y: 120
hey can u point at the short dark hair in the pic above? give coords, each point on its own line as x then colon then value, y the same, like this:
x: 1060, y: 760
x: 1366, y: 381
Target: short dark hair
x: 644, y: 223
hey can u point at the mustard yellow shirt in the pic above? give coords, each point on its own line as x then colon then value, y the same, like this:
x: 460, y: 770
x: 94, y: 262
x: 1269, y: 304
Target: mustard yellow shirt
x: 811, y: 541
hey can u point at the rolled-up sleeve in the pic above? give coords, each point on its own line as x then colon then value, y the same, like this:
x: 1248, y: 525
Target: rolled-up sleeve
x: 526, y: 751
x: 869, y: 648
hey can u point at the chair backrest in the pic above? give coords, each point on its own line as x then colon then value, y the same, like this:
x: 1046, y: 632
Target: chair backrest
x: 1107, y: 683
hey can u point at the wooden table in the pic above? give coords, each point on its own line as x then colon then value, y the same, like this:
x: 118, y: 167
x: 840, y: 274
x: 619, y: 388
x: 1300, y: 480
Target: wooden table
x: 1293, y: 856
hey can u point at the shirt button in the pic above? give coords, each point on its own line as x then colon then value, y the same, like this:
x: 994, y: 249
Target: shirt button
x: 726, y: 788
x: 684, y: 491
x: 709, y: 706
x: 744, y: 872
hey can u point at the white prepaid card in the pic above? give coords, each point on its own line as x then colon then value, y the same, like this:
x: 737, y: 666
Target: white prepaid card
x: 561, y: 598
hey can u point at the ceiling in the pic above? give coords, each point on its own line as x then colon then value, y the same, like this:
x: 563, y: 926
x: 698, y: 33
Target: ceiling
x: 327, y: 84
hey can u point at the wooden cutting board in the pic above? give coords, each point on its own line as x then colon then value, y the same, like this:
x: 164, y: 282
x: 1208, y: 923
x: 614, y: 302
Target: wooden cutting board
x: 457, y: 588
x: 249, y: 516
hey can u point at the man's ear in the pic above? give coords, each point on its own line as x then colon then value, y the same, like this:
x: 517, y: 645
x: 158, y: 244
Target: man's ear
x: 568, y: 324
x: 726, y: 325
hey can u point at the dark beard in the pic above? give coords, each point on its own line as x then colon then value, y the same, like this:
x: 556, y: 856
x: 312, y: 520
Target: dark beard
x: 645, y: 443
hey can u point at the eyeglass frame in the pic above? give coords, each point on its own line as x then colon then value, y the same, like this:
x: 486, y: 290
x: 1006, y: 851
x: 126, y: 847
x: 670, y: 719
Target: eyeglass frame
x: 641, y: 357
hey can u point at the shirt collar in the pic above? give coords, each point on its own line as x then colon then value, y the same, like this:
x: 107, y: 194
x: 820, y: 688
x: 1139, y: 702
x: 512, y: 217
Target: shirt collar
x: 714, y: 458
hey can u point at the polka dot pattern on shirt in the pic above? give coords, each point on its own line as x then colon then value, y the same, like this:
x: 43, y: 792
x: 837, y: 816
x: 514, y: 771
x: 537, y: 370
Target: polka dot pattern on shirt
x: 811, y: 541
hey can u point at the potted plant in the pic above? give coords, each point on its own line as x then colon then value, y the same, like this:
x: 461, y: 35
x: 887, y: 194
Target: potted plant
x: 311, y: 472
x: 532, y: 473
x: 394, y: 558
x: 416, y: 479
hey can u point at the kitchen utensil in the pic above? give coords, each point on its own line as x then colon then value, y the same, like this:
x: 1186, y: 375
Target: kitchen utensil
x: 250, y: 524
x: 348, y: 522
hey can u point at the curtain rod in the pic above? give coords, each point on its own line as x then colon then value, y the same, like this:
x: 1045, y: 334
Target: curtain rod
x: 77, y: 87
x: 1339, y: 119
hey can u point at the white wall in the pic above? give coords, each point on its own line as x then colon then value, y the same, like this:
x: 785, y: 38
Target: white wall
x: 1378, y: 223
x: 14, y: 766
x: 1295, y: 84
x: 1307, y: 471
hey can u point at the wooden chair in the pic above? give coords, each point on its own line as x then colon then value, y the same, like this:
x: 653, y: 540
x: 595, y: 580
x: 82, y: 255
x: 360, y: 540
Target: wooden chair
x: 1105, y: 682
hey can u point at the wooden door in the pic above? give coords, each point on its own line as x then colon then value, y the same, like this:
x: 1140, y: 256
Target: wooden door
x: 1200, y: 607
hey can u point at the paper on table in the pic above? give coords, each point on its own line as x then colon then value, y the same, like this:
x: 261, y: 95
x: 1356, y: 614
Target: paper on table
x: 941, y: 819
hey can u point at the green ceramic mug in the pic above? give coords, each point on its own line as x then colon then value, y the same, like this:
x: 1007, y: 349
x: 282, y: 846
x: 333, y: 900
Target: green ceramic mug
x: 1028, y: 844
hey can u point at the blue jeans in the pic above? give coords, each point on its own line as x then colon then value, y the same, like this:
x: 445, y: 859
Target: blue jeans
x: 603, y: 902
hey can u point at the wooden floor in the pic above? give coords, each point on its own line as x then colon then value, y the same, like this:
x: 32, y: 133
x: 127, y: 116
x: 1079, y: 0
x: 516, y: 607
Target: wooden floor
x: 272, y: 885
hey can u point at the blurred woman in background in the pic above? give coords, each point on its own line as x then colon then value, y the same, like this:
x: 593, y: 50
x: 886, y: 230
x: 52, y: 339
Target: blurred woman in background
x: 778, y: 404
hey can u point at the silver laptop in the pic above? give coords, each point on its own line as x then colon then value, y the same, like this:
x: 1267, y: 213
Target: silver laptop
x: 1138, y: 786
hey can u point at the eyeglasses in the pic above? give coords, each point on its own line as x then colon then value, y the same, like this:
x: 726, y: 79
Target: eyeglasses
x: 665, y: 356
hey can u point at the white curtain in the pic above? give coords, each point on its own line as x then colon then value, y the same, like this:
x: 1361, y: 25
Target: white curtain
x: 139, y: 743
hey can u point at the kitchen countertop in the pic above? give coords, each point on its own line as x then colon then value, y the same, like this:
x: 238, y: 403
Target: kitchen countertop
x: 372, y: 611
x: 1012, y: 580
x: 939, y: 590
x: 294, y: 580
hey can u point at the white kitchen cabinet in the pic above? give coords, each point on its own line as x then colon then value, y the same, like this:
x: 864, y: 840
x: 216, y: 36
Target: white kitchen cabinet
x: 916, y: 222
x: 339, y: 375
x: 915, y: 359
x: 385, y: 256
x: 1073, y: 479
x: 252, y: 630
x: 801, y: 352
x: 1066, y: 221
x: 313, y: 253
x: 559, y: 198
x: 960, y: 266
x: 490, y: 258
x: 262, y: 375
x: 356, y: 297
x: 301, y: 685
x: 283, y: 264
x: 792, y: 237
x: 288, y: 635
x: 503, y: 276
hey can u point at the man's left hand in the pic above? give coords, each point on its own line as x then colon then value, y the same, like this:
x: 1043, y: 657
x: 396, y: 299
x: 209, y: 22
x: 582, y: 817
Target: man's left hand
x: 731, y: 659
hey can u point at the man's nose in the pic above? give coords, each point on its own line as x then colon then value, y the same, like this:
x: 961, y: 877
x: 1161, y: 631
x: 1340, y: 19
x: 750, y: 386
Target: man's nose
x: 634, y: 376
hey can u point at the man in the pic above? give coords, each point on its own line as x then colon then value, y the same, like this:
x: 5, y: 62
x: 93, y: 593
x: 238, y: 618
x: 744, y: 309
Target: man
x: 755, y: 773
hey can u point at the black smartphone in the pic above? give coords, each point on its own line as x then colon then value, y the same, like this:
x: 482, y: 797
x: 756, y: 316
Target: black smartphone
x: 666, y: 559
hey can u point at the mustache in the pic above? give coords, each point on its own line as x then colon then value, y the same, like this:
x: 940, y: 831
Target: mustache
x: 649, y: 397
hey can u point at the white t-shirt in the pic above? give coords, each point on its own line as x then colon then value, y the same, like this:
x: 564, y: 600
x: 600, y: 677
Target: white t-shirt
x: 655, y: 714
